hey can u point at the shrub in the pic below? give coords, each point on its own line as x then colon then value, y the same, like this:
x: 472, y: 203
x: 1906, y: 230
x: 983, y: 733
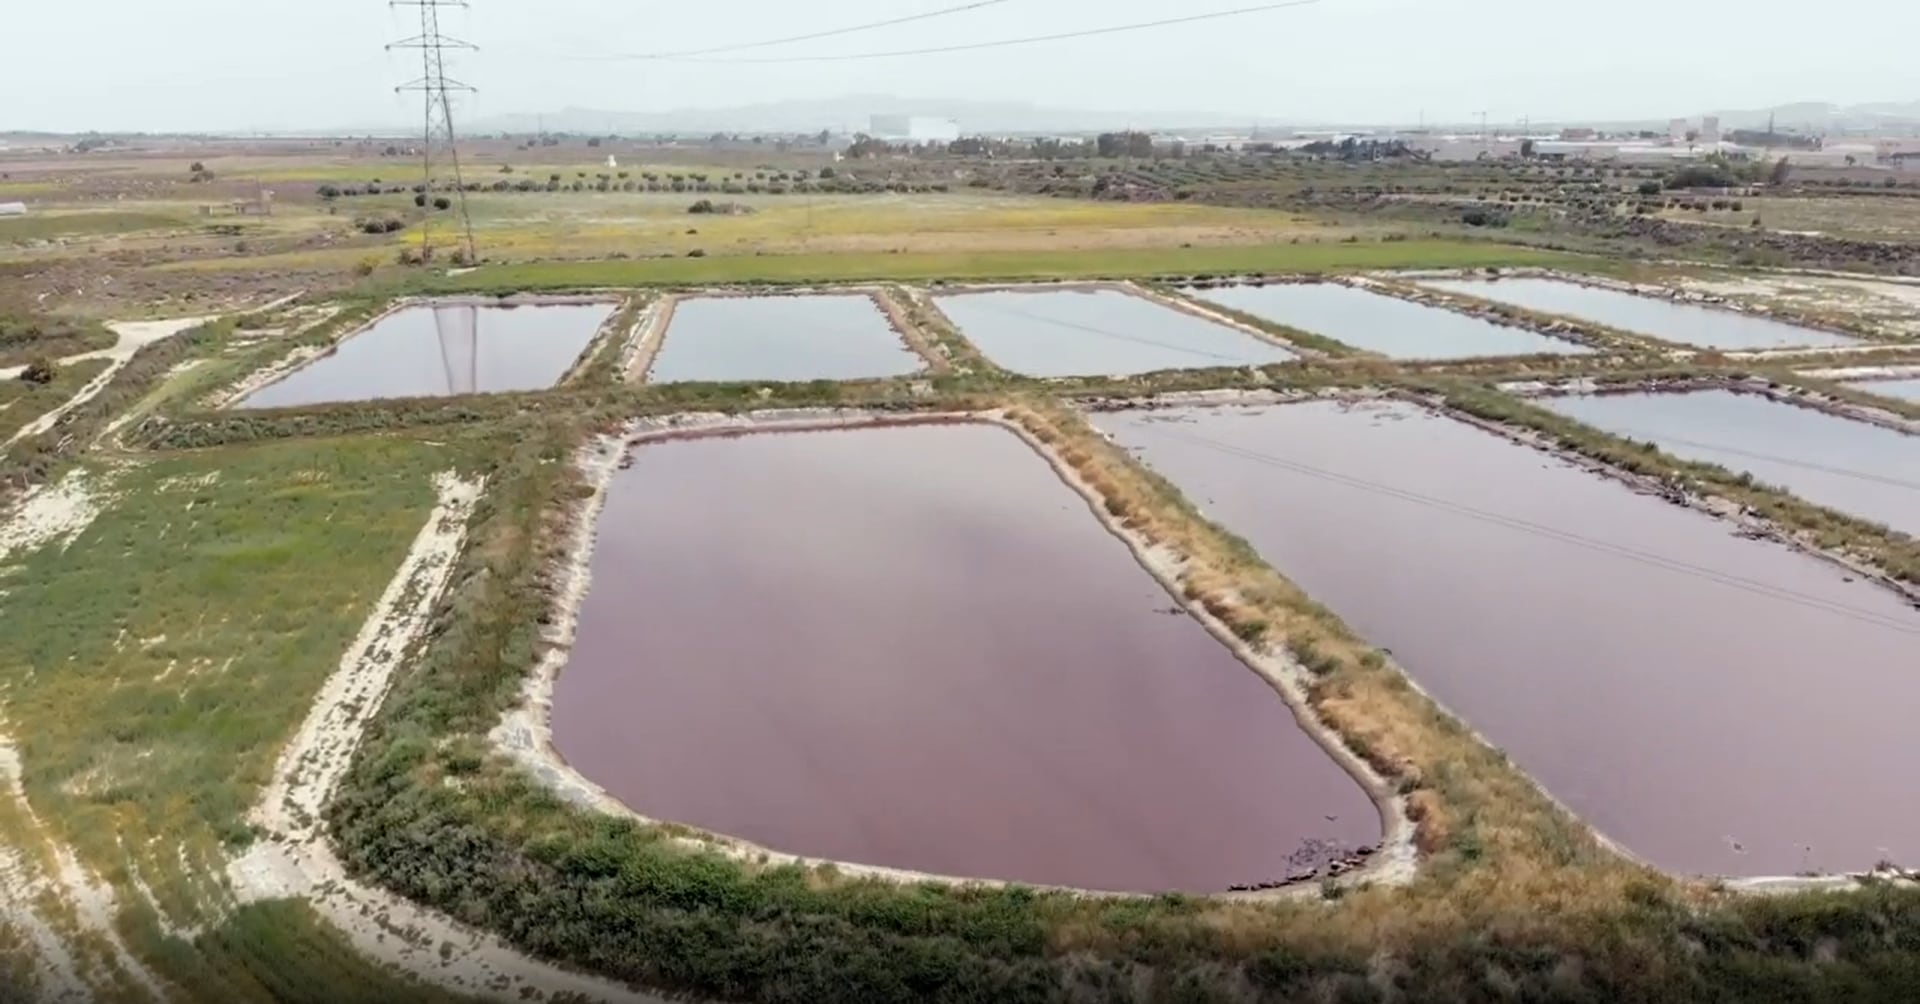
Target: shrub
x: 39, y: 371
x: 1701, y: 176
x: 442, y: 202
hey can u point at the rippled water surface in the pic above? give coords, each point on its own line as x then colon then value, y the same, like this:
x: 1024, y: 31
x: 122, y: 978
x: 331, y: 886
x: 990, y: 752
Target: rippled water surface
x: 1395, y: 328
x: 1685, y: 323
x: 1857, y: 468
x: 1100, y: 332
x: 780, y: 338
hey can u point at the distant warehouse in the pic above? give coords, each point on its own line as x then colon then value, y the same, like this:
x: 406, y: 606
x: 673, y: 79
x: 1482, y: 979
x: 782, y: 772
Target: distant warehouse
x: 914, y: 129
x: 13, y: 209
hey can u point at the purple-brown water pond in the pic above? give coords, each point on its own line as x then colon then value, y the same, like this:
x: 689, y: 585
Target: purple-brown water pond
x: 916, y: 647
x: 785, y: 338
x: 444, y: 349
x: 1857, y: 468
x: 1098, y: 332
x: 1905, y: 390
x: 1717, y: 705
x: 1395, y: 328
x: 1683, y: 323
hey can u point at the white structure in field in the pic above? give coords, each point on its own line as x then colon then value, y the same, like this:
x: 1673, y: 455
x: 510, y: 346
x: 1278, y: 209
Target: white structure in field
x: 914, y: 129
x: 13, y: 209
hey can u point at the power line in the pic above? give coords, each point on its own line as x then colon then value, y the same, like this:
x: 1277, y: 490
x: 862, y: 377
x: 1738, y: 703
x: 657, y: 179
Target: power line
x: 1056, y: 322
x: 1660, y: 438
x: 997, y: 43
x: 870, y: 26
x: 1875, y: 618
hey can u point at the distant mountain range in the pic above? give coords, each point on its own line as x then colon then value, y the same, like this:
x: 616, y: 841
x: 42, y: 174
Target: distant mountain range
x: 1822, y: 116
x: 851, y: 114
x: 854, y: 113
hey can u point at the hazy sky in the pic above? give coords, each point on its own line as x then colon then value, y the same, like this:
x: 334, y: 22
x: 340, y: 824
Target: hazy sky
x: 277, y: 64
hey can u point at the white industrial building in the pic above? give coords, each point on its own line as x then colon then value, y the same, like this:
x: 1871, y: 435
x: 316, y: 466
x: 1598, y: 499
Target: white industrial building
x: 13, y: 209
x: 1611, y: 150
x: 1462, y: 148
x: 914, y: 129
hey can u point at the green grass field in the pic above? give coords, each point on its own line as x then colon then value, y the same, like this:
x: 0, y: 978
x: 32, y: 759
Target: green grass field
x: 49, y: 226
x: 1305, y: 257
x: 161, y: 658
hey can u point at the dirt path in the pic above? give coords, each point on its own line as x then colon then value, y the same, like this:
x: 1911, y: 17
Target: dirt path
x: 27, y: 886
x: 134, y: 336
x: 295, y: 858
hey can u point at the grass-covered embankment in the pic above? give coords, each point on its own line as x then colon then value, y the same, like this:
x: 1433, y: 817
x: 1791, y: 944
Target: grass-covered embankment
x: 777, y: 269
x: 27, y: 337
x: 1515, y: 901
x: 21, y: 401
x: 161, y: 657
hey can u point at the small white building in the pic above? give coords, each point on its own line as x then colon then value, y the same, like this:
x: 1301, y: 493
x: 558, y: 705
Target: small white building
x: 13, y: 209
x: 914, y: 129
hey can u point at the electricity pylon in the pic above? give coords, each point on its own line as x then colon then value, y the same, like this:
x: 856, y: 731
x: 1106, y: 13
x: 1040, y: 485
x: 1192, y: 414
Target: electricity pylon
x: 437, y: 138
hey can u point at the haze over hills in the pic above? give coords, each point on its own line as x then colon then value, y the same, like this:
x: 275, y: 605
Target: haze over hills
x: 853, y: 112
x: 1822, y: 116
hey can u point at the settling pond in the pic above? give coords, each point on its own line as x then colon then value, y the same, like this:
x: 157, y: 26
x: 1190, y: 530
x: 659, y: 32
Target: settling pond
x: 1098, y: 332
x: 443, y: 349
x: 1395, y: 328
x: 1906, y: 390
x: 916, y: 647
x: 1684, y: 323
x: 1860, y: 469
x: 784, y: 338
x: 1717, y: 705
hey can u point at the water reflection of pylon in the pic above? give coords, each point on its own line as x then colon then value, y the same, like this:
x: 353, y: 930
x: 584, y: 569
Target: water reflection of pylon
x: 457, y: 327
